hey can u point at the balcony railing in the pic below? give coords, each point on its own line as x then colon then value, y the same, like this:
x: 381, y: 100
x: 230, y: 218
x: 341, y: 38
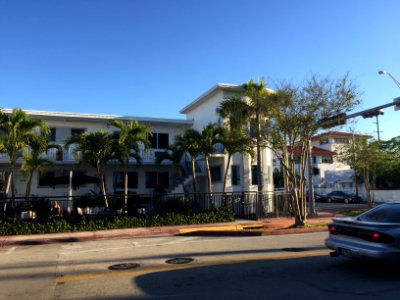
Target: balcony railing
x: 67, y: 155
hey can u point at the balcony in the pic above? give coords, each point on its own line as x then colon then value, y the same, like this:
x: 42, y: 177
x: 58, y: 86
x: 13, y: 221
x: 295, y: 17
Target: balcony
x: 67, y: 155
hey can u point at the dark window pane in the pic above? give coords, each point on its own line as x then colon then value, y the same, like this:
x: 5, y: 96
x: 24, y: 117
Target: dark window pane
x: 163, y: 179
x: 215, y: 173
x: 151, y: 180
x: 133, y: 180
x: 315, y: 171
x: 52, y: 135
x: 235, y: 175
x: 46, y: 179
x: 162, y: 141
x: 119, y: 180
x: 153, y: 140
x: 254, y: 178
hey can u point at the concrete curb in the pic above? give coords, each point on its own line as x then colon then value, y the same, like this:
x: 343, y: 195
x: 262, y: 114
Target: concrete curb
x: 255, y: 229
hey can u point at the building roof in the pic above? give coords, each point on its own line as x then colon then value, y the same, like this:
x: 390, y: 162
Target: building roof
x: 99, y: 118
x: 205, y: 96
x: 314, y: 151
x: 331, y: 134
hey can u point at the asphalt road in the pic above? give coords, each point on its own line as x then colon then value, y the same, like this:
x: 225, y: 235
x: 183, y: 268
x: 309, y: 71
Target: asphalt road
x: 295, y: 266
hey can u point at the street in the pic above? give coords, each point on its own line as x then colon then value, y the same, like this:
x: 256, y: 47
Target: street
x: 295, y: 266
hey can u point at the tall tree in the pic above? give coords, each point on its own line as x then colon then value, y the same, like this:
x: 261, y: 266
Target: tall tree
x: 34, y: 158
x: 130, y: 138
x: 251, y: 111
x: 234, y: 137
x: 362, y: 155
x: 16, y: 129
x: 95, y: 149
x: 297, y: 120
x: 190, y: 141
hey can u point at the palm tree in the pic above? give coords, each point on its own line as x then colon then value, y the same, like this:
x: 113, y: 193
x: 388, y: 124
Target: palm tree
x: 189, y: 140
x: 173, y: 154
x: 95, y: 149
x: 256, y: 96
x: 16, y: 129
x: 130, y: 137
x: 256, y: 105
x: 33, y: 159
x: 235, y: 141
x: 209, y: 137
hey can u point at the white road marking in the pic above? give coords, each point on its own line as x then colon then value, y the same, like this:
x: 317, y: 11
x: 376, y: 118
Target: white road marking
x: 133, y: 244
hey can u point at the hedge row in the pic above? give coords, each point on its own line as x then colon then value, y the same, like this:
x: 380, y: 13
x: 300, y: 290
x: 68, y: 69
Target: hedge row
x: 91, y: 223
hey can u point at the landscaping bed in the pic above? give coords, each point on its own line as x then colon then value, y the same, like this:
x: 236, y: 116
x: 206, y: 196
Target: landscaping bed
x: 93, y: 223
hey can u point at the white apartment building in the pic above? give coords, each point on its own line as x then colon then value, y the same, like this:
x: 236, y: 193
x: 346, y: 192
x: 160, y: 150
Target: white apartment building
x: 143, y: 179
x: 328, y: 172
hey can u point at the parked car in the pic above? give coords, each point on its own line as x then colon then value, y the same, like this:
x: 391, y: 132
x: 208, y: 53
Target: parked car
x: 372, y: 234
x: 341, y: 196
x: 317, y: 197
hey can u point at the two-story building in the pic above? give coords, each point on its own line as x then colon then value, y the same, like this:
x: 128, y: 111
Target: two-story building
x: 65, y: 177
x: 328, y: 171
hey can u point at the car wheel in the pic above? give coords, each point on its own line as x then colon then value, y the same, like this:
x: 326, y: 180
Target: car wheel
x: 329, y: 200
x: 346, y: 200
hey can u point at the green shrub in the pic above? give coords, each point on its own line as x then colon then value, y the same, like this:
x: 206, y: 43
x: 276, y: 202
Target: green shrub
x: 91, y: 223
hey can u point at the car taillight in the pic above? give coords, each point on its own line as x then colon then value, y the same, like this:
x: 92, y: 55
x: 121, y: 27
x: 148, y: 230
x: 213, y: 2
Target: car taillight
x: 378, y: 237
x: 332, y: 229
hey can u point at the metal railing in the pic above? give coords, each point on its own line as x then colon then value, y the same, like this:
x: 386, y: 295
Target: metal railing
x: 247, y: 205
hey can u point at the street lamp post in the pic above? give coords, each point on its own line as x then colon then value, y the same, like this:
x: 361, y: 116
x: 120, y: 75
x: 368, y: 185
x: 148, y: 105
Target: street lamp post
x: 383, y: 72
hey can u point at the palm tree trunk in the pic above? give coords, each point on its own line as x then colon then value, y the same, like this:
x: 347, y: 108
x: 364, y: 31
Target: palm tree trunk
x: 100, y: 174
x: 8, y: 185
x: 208, y: 175
x: 194, y: 175
x: 103, y: 191
x: 126, y: 179
x: 29, y: 184
x: 209, y: 181
x: 226, y: 172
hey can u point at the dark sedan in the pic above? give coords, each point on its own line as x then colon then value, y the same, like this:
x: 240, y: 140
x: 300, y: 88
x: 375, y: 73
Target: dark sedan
x: 341, y: 196
x: 372, y: 234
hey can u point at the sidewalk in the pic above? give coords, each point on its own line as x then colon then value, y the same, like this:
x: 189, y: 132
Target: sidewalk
x: 271, y: 226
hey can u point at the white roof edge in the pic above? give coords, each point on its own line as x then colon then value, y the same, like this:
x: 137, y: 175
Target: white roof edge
x: 202, y: 97
x: 98, y: 117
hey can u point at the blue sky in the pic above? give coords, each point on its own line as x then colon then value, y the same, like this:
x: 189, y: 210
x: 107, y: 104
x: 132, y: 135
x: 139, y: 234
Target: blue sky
x: 151, y: 58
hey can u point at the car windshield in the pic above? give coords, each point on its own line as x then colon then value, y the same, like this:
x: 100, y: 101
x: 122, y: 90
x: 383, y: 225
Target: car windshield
x: 383, y: 213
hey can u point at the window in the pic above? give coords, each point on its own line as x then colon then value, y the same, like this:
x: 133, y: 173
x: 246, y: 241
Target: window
x: 385, y: 213
x: 341, y: 140
x: 77, y: 131
x: 157, y: 179
x: 215, y: 173
x: 254, y: 178
x: 314, y: 159
x: 315, y: 171
x: 327, y: 159
x: 52, y: 134
x: 132, y: 180
x: 235, y: 174
x: 46, y: 178
x: 323, y: 142
x: 159, y: 140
